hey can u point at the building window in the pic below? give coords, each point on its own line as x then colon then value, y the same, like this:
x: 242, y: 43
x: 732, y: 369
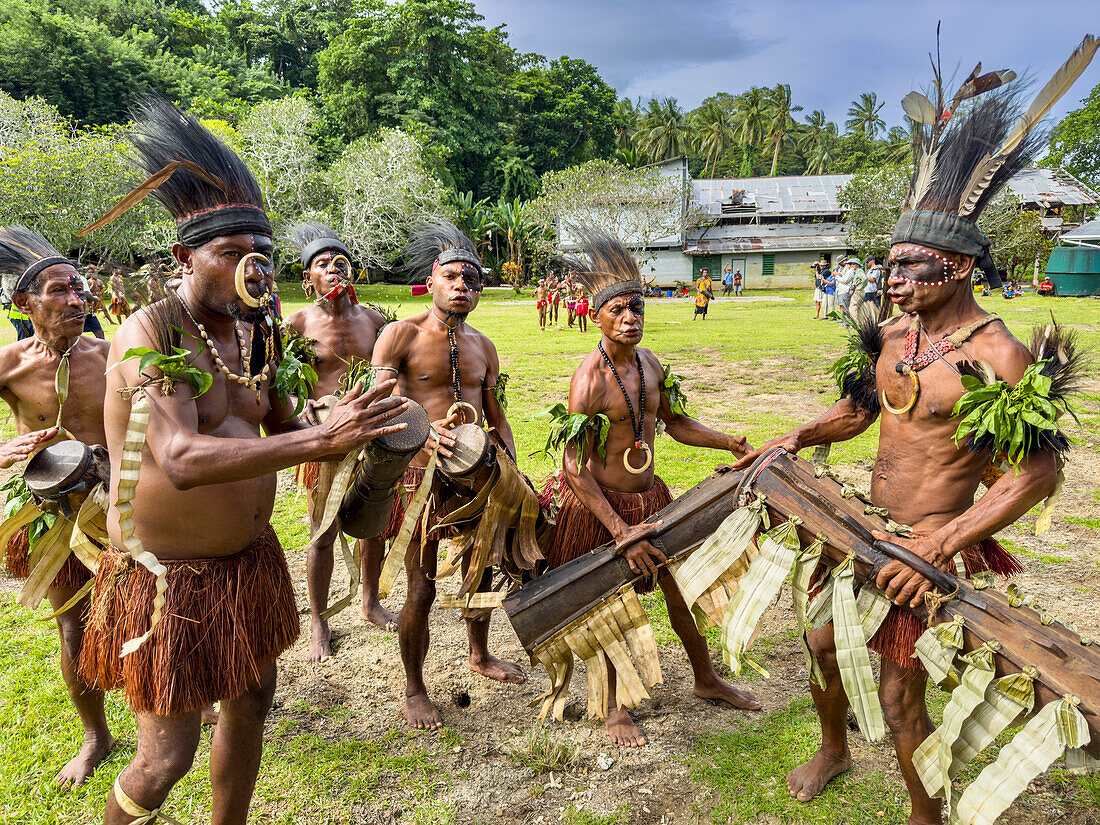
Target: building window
x: 768, y: 266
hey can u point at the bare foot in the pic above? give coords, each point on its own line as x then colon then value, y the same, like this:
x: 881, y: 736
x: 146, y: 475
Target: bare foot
x: 493, y: 668
x: 806, y: 781
x: 209, y: 715
x: 622, y: 730
x: 320, y: 642
x: 83, y: 765
x: 379, y: 616
x: 720, y: 690
x: 421, y: 714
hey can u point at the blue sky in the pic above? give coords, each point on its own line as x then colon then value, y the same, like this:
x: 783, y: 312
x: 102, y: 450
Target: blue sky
x: 828, y: 52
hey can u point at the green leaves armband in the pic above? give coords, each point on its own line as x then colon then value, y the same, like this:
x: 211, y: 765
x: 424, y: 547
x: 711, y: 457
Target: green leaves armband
x: 576, y: 430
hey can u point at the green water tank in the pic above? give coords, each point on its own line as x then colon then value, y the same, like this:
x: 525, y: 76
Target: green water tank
x: 1075, y: 270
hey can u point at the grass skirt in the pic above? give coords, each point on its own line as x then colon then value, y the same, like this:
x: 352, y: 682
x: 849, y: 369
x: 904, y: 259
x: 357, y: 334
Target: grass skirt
x: 72, y: 575
x: 224, y: 619
x: 577, y: 531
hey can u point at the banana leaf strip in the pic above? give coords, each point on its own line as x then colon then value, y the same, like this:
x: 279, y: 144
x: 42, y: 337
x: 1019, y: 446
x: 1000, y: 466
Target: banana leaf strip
x: 804, y: 566
x: 758, y: 588
x: 852, y: 657
x: 937, y: 648
x: 1054, y: 729
x: 729, y: 548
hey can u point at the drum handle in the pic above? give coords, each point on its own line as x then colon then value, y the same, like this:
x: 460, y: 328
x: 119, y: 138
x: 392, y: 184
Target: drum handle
x: 944, y: 582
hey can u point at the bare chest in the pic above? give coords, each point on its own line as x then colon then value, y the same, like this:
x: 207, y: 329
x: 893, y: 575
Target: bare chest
x: 934, y: 390
x: 432, y: 367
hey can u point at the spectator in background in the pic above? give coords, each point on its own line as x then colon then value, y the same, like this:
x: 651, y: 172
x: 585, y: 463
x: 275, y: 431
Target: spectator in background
x: 843, y: 277
x: 829, y: 280
x: 737, y: 279
x: 859, y: 285
x: 873, y: 291
x: 704, y: 291
x: 727, y: 281
x: 819, y: 286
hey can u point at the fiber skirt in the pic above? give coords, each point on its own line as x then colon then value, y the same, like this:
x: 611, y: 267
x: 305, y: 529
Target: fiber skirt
x: 72, y: 575
x: 224, y: 619
x: 577, y: 531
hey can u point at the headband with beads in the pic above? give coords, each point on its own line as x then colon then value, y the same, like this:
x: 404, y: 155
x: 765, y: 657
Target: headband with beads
x: 924, y: 250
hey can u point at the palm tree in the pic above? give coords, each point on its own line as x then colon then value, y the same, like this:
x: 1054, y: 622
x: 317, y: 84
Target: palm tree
x: 818, y: 142
x: 900, y: 141
x: 750, y: 115
x: 780, y: 123
x: 630, y: 157
x: 863, y: 116
x: 714, y: 133
x: 664, y: 132
x: 627, y: 114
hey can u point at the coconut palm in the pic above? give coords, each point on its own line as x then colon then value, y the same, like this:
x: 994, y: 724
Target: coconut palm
x: 663, y: 132
x: 863, y: 115
x: 627, y: 114
x: 750, y: 116
x: 818, y: 142
x: 901, y: 141
x: 630, y: 156
x: 714, y: 133
x: 780, y: 124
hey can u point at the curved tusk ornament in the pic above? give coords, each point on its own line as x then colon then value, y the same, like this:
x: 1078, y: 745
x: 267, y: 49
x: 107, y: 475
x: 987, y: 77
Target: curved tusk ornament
x: 463, y: 407
x: 242, y: 265
x: 909, y: 405
x: 645, y: 448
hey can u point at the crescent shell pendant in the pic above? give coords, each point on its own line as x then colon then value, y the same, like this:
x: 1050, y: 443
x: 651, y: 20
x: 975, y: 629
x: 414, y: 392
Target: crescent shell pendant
x: 909, y: 405
x: 645, y: 448
x: 242, y: 293
x: 463, y: 407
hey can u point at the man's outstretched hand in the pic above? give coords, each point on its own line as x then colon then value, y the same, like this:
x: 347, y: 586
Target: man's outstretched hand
x: 21, y: 447
x: 788, y: 442
x: 360, y: 416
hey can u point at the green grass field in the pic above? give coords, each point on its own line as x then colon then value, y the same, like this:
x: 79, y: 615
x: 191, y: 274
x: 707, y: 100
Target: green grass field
x: 770, y: 348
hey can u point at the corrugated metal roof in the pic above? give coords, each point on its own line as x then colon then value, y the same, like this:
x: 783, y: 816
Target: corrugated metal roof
x: 1051, y: 186
x: 817, y: 194
x: 793, y: 195
x: 1085, y: 232
x: 768, y: 238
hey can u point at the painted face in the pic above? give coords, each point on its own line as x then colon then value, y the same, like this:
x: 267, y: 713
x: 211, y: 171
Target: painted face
x: 921, y: 278
x: 622, y: 319
x: 455, y: 287
x: 326, y: 270
x: 61, y: 301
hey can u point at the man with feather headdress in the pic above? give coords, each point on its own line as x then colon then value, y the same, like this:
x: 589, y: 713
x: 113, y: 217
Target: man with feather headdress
x: 944, y: 359
x: 452, y: 371
x: 46, y: 287
x: 194, y: 564
x: 610, y: 485
x: 341, y: 332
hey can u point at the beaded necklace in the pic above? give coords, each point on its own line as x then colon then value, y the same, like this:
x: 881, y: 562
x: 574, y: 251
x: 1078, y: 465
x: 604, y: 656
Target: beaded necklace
x: 452, y: 339
x: 912, y: 363
x: 252, y: 382
x: 637, y: 423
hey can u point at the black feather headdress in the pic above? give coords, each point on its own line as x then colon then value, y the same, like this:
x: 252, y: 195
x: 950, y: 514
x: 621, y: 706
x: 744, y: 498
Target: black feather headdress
x: 854, y: 372
x: 203, y: 184
x: 966, y: 155
x: 436, y: 244
x: 607, y: 269
x: 24, y: 255
x: 312, y: 238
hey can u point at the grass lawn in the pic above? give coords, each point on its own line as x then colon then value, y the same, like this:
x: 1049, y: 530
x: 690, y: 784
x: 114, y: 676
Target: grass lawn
x: 756, y: 368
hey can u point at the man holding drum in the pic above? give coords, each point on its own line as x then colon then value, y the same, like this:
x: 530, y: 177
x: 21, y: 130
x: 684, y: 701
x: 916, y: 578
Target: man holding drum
x: 452, y: 370
x: 910, y: 375
x: 606, y: 496
x: 342, y: 330
x: 195, y: 566
x: 57, y: 358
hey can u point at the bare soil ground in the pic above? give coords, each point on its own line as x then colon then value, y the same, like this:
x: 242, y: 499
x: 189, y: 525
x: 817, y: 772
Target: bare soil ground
x: 486, y: 720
